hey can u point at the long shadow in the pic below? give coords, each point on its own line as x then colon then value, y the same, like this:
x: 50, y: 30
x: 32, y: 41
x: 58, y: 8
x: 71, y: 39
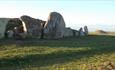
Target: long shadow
x: 88, y: 41
x: 40, y: 60
x: 65, y: 42
x: 99, y: 45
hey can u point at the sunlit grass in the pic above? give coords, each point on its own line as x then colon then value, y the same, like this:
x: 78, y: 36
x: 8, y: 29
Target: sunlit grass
x: 75, y: 53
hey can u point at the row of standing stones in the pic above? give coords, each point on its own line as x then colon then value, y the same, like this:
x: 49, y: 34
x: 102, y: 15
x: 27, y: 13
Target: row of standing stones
x: 53, y: 28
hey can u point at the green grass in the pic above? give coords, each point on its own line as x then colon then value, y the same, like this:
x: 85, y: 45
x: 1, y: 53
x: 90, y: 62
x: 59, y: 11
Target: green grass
x: 75, y: 53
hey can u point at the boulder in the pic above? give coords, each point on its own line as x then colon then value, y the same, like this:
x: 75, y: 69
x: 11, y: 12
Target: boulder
x: 81, y: 33
x: 75, y: 32
x: 10, y: 33
x: 85, y: 30
x: 12, y: 24
x: 3, y: 23
x: 70, y: 32
x: 33, y: 26
x: 55, y: 26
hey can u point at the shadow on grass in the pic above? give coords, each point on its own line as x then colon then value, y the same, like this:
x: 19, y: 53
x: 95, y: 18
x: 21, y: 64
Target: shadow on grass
x: 88, y: 41
x: 39, y: 60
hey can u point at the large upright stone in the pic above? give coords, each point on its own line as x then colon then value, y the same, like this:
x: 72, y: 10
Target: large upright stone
x: 3, y: 23
x: 55, y: 26
x: 85, y: 30
x: 12, y: 24
x: 34, y: 26
x: 81, y: 33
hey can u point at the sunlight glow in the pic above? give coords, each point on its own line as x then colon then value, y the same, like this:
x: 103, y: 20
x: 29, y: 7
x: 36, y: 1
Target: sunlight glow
x: 76, y: 13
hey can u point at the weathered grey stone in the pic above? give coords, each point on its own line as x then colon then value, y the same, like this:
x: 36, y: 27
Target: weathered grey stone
x: 85, y: 30
x: 3, y: 23
x: 75, y: 33
x: 34, y: 26
x: 12, y: 24
x: 68, y: 32
x: 19, y: 32
x: 55, y: 26
x: 81, y: 33
x: 10, y: 33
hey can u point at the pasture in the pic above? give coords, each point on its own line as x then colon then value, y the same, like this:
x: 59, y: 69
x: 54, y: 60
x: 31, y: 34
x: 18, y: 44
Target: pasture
x: 93, y: 52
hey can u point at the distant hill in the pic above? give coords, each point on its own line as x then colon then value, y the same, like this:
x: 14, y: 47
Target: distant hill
x: 101, y: 31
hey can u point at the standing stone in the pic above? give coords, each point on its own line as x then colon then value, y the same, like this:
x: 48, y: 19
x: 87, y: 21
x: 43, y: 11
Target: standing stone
x: 10, y: 33
x: 3, y: 23
x: 33, y: 26
x: 68, y: 32
x: 75, y: 32
x: 15, y: 23
x: 85, y: 30
x: 81, y: 33
x: 55, y: 26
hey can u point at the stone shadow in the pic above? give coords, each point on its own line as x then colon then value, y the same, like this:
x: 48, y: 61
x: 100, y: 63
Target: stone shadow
x: 40, y: 60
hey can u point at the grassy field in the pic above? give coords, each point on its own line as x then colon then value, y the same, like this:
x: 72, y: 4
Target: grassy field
x: 75, y: 53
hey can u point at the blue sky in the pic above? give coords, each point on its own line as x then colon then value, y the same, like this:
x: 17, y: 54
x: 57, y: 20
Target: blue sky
x: 96, y: 14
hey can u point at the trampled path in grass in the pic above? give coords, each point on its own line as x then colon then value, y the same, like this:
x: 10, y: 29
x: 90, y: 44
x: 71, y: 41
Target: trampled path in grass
x: 75, y: 53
